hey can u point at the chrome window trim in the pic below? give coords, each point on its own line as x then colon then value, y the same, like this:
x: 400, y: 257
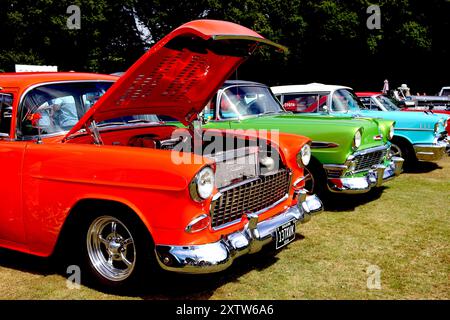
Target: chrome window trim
x: 41, y: 84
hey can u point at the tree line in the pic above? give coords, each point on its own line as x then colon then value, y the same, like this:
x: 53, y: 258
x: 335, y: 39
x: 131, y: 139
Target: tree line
x: 328, y: 40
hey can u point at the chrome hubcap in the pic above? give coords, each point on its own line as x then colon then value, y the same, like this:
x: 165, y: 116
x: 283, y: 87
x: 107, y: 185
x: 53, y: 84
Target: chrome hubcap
x: 395, y: 151
x: 111, y: 249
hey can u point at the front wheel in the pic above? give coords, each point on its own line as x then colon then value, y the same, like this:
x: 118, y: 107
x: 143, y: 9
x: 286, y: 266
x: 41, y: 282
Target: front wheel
x: 314, y: 179
x: 395, y: 151
x: 117, y: 251
x: 405, y: 151
x: 111, y: 248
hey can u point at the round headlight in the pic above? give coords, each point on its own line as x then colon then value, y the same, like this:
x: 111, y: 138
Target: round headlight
x: 391, y: 132
x: 304, y: 156
x: 202, y: 186
x: 357, y: 140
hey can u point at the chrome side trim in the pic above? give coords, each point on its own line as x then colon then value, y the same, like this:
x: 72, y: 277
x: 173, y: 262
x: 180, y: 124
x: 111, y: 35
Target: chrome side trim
x: 413, y: 129
x: 323, y: 145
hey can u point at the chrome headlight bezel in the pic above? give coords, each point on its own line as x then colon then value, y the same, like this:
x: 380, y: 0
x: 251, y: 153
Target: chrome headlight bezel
x: 357, y: 140
x: 202, y: 185
x: 304, y: 156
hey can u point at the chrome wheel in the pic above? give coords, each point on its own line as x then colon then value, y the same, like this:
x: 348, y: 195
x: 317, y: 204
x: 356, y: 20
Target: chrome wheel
x: 309, y: 181
x: 395, y: 151
x: 111, y: 248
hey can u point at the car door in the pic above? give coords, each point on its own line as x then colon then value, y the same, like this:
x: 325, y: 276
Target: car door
x: 11, y: 157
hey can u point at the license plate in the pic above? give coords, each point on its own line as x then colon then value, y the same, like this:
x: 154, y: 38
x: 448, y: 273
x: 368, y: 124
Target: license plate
x: 285, y: 234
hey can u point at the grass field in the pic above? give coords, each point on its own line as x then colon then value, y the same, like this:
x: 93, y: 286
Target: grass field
x: 402, y: 229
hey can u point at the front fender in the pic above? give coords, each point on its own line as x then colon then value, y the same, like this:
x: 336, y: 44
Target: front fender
x: 57, y: 176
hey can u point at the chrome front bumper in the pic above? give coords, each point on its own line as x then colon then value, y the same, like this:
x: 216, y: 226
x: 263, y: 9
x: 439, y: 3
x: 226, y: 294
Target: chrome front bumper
x: 218, y: 256
x: 430, y: 152
x: 374, y: 178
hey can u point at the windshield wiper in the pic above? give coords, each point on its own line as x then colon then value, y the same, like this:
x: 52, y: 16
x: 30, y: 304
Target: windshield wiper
x: 140, y: 121
x: 106, y: 124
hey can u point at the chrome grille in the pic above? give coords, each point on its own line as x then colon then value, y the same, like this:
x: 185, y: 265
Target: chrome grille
x: 249, y: 197
x: 367, y: 160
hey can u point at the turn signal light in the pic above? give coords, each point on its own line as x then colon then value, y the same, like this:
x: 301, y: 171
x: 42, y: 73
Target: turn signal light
x: 198, y: 224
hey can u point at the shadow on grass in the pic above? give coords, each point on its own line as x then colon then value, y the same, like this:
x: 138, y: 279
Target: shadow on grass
x: 349, y: 202
x: 159, y: 286
x: 422, y: 167
x: 25, y: 262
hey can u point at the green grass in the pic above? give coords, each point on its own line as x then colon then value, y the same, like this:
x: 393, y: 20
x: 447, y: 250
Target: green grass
x: 404, y: 229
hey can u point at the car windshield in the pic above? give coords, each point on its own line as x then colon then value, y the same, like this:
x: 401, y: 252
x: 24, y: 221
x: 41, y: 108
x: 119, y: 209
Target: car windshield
x: 445, y: 92
x: 388, y: 103
x: 344, y: 100
x: 56, y: 108
x: 241, y: 101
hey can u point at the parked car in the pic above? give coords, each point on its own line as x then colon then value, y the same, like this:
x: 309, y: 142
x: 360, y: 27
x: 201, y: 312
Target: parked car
x: 348, y: 155
x: 89, y: 168
x: 382, y: 102
x: 445, y: 91
x: 415, y: 137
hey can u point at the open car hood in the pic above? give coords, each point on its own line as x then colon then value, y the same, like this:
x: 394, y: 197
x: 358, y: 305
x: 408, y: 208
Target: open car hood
x: 179, y: 74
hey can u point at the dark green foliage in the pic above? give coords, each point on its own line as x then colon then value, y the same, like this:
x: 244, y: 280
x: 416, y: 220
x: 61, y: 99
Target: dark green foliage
x: 328, y: 40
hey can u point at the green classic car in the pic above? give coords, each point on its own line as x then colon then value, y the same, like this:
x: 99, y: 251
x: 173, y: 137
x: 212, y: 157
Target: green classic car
x: 348, y: 155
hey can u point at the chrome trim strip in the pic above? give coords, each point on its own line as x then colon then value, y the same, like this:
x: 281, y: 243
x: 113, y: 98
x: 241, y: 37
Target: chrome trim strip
x: 250, y: 38
x: 323, y: 145
x: 413, y: 129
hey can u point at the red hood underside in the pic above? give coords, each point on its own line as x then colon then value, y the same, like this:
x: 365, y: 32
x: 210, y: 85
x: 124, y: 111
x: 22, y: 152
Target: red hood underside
x: 179, y: 74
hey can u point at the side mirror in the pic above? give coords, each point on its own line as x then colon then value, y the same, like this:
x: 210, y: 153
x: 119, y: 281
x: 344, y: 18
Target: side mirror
x: 4, y: 135
x: 325, y: 108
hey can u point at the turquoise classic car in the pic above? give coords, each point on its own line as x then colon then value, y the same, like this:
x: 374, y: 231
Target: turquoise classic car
x: 348, y: 155
x: 415, y: 137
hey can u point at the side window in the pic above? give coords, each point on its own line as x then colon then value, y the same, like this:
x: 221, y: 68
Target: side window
x: 6, y: 101
x: 367, y: 102
x: 305, y: 102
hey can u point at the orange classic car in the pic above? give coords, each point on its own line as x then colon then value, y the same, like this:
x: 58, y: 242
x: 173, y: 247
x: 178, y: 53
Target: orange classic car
x: 91, y: 171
